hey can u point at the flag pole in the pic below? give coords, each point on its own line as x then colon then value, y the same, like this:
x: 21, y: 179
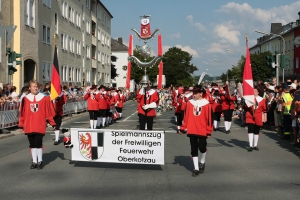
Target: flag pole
x: 54, y: 40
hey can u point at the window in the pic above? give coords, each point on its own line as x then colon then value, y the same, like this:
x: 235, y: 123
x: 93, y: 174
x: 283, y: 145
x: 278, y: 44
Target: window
x: 73, y: 16
x: 88, y: 27
x: 32, y: 13
x: 99, y: 35
x: 66, y: 42
x: 66, y: 10
x: 29, y: 13
x: 102, y: 37
x: 62, y: 73
x: 73, y: 45
x: 88, y: 52
x: 99, y: 56
x: 47, y: 3
x: 108, y: 41
x: 46, y: 34
x: 70, y: 13
x: 79, y: 20
x: 56, y: 23
x: 46, y: 71
x: 88, y: 4
x: 70, y: 44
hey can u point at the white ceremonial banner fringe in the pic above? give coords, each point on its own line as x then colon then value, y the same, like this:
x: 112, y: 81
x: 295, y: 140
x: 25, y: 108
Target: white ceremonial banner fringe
x: 118, y: 146
x: 201, y: 77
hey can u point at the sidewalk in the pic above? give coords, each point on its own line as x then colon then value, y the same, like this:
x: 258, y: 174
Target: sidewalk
x: 13, y: 131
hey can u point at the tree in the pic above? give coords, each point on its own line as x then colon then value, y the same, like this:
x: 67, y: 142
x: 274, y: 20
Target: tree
x: 178, y: 68
x: 113, y: 71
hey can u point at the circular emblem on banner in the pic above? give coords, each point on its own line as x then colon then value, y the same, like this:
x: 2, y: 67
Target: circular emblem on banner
x: 145, y: 21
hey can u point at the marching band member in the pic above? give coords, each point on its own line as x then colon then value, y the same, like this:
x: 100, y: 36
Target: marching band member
x: 119, y: 99
x: 107, y: 91
x: 35, y: 109
x: 216, y: 106
x: 147, y: 102
x: 58, y: 104
x: 177, y: 100
x: 174, y: 98
x: 92, y: 107
x: 227, y: 107
x: 102, y: 106
x: 198, y: 125
x: 255, y: 117
x: 188, y: 95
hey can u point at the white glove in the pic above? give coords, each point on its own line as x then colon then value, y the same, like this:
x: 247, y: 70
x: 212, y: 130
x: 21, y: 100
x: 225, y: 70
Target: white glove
x: 152, y: 105
x: 145, y: 107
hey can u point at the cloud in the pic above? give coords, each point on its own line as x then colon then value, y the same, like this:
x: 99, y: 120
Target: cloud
x: 189, y: 50
x: 175, y: 36
x: 226, y: 33
x: 216, y: 48
x: 198, y: 25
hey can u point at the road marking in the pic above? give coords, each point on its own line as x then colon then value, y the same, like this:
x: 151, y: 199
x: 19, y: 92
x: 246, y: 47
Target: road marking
x: 129, y: 116
x: 81, y: 122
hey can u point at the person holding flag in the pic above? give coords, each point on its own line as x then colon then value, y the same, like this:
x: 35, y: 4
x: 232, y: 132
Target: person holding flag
x: 56, y: 96
x: 255, y: 105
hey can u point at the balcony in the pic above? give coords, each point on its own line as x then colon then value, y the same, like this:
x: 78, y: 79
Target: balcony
x: 94, y: 41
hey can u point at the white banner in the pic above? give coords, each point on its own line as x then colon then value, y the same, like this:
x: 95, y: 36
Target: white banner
x: 118, y: 146
x: 201, y: 77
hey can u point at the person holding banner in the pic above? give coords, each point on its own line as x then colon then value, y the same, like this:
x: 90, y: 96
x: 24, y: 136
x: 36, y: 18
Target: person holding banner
x: 255, y: 117
x: 92, y: 107
x: 198, y: 125
x: 102, y: 99
x: 35, y: 109
x: 119, y: 99
x: 58, y: 104
x: 147, y: 100
x: 227, y: 107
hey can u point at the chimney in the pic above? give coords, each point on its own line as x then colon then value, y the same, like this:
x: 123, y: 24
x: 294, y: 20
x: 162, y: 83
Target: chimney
x: 120, y: 40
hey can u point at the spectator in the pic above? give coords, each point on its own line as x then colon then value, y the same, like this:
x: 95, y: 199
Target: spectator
x: 46, y: 91
x: 13, y: 92
x: 25, y: 91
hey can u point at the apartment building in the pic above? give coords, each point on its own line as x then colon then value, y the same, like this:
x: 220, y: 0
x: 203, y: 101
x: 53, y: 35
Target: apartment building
x: 81, y: 30
x: 282, y: 42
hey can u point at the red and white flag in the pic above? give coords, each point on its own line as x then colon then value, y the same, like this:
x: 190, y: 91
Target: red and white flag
x: 248, y: 89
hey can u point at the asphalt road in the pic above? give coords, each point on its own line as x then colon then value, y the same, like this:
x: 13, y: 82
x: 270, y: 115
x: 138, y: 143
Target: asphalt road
x: 231, y: 171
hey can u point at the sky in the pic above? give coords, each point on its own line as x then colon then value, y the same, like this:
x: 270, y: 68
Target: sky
x: 204, y: 28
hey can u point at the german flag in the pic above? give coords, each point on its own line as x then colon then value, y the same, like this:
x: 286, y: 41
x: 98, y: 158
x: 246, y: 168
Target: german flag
x: 55, y: 79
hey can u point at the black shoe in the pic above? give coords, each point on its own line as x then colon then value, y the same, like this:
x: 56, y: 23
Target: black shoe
x: 250, y: 148
x: 33, y: 166
x: 40, y: 165
x: 201, y: 167
x: 227, y: 132
x: 215, y: 129
x: 195, y: 173
x: 256, y: 148
x: 56, y: 142
x: 97, y: 127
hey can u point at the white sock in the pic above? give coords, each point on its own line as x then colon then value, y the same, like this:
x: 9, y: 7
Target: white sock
x: 103, y: 121
x: 178, y: 127
x: 146, y: 126
x: 215, y: 124
x: 229, y: 125
x: 250, y: 136
x: 226, y: 126
x: 98, y: 121
x: 120, y: 115
x: 256, y: 140
x: 202, y: 159
x: 56, y: 135
x: 92, y: 124
x: 40, y: 154
x: 196, y: 164
x: 95, y: 123
x: 218, y: 124
x: 34, y: 155
x: 175, y: 118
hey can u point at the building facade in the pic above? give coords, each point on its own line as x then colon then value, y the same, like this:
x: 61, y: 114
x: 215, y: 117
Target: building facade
x: 120, y: 53
x: 81, y: 31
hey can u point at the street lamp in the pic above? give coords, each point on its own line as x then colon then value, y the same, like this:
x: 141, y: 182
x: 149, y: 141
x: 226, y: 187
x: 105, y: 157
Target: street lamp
x: 283, y: 52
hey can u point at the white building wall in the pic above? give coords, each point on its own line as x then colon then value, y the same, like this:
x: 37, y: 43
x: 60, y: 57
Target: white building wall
x: 121, y: 61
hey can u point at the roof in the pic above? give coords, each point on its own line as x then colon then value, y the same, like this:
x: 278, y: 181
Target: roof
x: 117, y: 45
x: 105, y: 9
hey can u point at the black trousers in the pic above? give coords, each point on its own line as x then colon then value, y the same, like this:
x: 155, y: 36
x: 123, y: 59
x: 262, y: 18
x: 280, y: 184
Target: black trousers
x: 197, y: 143
x: 179, y: 119
x: 145, y: 119
x: 58, y: 120
x: 228, y: 115
x: 253, y: 128
x: 217, y: 116
x: 35, y: 140
x: 93, y: 114
x: 102, y: 113
x: 119, y: 109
